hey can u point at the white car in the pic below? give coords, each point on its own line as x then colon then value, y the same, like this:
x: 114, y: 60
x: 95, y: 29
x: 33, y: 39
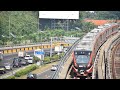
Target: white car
x: 54, y: 68
x: 8, y: 66
x: 30, y: 61
x: 27, y: 57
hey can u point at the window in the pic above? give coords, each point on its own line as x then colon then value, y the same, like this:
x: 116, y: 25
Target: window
x: 82, y: 58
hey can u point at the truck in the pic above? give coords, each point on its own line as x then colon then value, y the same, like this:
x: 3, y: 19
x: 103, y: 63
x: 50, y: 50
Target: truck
x: 58, y: 49
x: 21, y: 54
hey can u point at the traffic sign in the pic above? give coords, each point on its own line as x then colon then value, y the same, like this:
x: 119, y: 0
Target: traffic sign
x: 39, y: 52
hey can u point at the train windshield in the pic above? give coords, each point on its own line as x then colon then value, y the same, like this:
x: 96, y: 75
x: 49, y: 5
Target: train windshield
x: 82, y: 58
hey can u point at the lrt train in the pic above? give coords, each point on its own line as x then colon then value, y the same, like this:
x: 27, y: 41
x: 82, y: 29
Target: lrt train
x: 86, y: 50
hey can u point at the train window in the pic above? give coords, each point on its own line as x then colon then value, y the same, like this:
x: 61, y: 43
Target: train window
x: 82, y: 59
x: 112, y: 29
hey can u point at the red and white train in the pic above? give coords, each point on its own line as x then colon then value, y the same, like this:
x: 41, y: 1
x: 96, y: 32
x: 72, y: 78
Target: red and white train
x: 85, y: 52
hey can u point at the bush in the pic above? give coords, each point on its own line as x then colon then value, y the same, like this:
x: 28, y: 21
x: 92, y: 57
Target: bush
x: 61, y: 55
x: 10, y: 77
x: 47, y: 59
x: 26, y: 70
x: 55, y: 57
x: 36, y: 59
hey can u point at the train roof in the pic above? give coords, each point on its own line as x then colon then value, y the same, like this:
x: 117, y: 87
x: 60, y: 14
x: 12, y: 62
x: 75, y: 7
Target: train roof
x: 87, y: 41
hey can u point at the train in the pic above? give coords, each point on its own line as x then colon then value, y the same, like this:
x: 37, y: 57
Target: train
x: 84, y: 53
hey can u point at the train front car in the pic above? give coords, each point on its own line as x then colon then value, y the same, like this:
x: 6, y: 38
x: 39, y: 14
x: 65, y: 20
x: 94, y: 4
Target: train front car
x: 81, y: 59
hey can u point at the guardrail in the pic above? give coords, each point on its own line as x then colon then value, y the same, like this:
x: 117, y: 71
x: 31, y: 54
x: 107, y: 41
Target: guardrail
x: 64, y: 59
x: 22, y: 45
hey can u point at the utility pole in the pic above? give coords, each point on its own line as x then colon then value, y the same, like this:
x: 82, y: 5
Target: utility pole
x: 51, y: 48
x: 41, y: 40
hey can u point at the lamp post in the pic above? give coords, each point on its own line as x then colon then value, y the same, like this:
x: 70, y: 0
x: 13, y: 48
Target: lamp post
x: 51, y: 48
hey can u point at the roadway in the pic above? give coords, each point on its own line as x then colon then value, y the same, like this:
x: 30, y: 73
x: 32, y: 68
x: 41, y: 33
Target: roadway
x: 9, y: 59
x: 46, y: 74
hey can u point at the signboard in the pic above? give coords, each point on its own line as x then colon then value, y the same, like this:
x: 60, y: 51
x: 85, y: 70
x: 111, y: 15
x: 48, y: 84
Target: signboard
x: 39, y: 53
x: 59, y: 14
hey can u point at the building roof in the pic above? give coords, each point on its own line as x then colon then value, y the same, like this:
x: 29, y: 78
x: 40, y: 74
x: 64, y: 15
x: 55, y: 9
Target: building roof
x: 100, y: 22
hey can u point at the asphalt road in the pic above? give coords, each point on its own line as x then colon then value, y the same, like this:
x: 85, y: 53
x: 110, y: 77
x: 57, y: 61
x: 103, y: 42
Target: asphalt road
x: 46, y: 74
x: 9, y: 59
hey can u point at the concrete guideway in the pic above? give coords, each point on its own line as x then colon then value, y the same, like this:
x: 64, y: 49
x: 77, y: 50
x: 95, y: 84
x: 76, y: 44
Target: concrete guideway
x: 99, y: 64
x: 115, y: 60
x: 64, y: 70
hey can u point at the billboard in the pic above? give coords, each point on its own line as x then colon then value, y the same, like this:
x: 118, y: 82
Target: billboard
x: 59, y: 14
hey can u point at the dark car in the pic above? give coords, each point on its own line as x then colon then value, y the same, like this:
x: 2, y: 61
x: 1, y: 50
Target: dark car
x: 23, y: 61
x: 16, y: 62
x: 2, y: 69
x: 31, y: 76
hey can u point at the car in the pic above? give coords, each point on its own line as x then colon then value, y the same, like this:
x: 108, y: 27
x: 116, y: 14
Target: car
x: 17, y: 62
x: 23, y: 61
x: 31, y: 76
x: 30, y: 61
x: 54, y: 68
x: 27, y: 57
x: 8, y: 66
x: 2, y: 69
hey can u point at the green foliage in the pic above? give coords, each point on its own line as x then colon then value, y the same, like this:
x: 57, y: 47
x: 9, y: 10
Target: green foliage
x: 10, y: 77
x: 19, y: 23
x: 61, y: 55
x: 101, y: 15
x: 47, y: 59
x: 26, y: 70
x: 36, y: 58
x: 24, y: 26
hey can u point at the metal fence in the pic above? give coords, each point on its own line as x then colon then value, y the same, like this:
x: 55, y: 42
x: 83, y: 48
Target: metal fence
x: 64, y: 59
